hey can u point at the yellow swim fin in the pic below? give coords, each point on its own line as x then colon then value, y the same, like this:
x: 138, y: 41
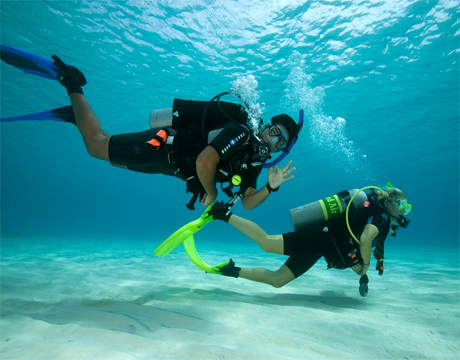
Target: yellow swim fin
x: 183, y: 233
x: 185, y: 236
x: 190, y: 249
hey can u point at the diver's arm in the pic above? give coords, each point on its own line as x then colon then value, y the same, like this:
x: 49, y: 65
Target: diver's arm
x: 206, y: 165
x: 365, y: 247
x: 253, y: 198
x: 276, y: 176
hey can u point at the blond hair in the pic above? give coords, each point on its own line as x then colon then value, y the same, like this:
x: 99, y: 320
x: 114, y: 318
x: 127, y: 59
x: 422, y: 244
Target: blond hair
x: 391, y: 192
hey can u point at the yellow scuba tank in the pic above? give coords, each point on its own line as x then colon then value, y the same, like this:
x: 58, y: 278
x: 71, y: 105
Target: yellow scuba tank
x: 325, y: 209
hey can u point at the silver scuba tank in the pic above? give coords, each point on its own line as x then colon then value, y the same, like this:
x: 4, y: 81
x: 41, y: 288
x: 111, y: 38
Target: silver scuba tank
x: 161, y: 118
x: 324, y: 210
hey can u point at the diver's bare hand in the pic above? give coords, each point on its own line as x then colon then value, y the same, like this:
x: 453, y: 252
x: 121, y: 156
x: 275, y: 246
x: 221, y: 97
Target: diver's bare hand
x: 357, y: 268
x: 208, y: 200
x: 360, y: 269
x: 277, y: 176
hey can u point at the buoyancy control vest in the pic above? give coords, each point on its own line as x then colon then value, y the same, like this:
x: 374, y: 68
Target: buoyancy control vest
x: 189, y: 116
x: 187, y: 121
x: 358, y: 219
x: 330, y: 212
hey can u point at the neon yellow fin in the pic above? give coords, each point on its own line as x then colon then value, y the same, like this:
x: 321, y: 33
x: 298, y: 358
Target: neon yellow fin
x: 185, y: 236
x: 190, y: 249
x: 183, y: 233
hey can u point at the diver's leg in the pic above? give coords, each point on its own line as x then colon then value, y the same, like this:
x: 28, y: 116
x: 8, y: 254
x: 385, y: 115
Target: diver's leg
x: 269, y: 243
x: 96, y: 140
x: 277, y: 278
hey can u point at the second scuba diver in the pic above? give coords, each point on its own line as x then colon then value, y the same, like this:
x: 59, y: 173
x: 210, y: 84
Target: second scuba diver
x: 331, y: 239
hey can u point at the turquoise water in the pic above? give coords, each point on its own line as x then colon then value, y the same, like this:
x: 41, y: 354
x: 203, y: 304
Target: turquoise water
x: 379, y: 82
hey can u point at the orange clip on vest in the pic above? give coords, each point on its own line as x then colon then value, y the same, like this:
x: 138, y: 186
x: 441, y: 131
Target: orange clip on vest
x: 158, y: 140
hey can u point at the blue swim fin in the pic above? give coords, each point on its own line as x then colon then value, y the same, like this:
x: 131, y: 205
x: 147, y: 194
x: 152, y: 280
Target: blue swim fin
x: 64, y: 114
x: 30, y: 63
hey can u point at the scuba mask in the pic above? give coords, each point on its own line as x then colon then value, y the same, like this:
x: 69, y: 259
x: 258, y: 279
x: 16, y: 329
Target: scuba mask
x: 403, y: 205
x: 277, y: 137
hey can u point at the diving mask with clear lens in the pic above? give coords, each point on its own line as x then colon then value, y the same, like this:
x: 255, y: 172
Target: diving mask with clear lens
x: 277, y: 136
x: 403, y: 206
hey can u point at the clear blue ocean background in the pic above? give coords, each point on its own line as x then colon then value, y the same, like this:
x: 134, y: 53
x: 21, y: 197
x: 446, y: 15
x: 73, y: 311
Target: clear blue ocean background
x: 389, y: 69
x: 379, y: 84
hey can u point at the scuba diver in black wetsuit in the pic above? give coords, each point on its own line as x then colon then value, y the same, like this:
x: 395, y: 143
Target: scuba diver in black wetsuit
x: 323, y: 230
x: 199, y: 142
x: 233, y: 151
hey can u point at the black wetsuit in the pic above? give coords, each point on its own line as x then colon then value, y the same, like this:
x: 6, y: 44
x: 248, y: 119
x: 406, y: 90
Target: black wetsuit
x: 307, y: 246
x: 232, y: 142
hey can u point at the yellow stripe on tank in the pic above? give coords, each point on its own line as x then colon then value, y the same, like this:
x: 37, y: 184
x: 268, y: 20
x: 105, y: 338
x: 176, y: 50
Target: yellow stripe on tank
x: 331, y: 206
x: 323, y: 206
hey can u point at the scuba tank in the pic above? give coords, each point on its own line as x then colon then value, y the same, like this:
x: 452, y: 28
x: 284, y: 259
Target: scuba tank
x: 325, y: 209
x: 161, y: 118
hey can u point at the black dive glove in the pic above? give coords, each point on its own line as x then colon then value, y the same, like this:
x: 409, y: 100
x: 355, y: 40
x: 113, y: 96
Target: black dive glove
x: 363, y: 288
x: 73, y: 79
x: 220, y: 211
x: 230, y: 270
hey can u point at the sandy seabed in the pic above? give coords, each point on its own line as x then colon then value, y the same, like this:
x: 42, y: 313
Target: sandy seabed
x: 83, y: 299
